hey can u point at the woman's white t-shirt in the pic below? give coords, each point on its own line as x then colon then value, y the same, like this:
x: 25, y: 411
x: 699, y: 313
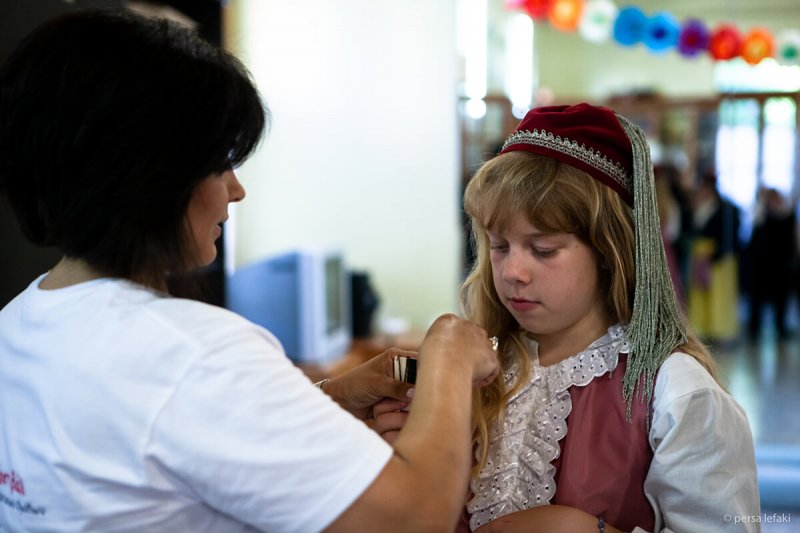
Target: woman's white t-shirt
x: 122, y: 409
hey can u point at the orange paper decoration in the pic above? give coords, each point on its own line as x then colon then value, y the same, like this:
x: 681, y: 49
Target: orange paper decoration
x: 566, y: 14
x: 757, y: 45
x: 725, y: 43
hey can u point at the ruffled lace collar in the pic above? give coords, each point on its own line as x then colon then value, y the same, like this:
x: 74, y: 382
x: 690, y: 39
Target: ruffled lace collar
x: 518, y: 474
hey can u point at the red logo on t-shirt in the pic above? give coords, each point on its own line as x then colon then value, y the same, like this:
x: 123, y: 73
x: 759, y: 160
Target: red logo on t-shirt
x: 14, y: 481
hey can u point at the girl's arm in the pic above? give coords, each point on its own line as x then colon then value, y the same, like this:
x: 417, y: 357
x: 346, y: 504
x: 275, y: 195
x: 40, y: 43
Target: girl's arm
x: 546, y: 519
x: 703, y: 470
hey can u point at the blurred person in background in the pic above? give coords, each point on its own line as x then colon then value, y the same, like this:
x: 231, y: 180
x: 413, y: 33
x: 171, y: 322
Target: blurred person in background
x: 772, y: 256
x: 713, y: 285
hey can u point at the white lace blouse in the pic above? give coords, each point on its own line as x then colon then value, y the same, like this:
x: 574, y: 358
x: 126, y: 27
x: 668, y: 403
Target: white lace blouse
x: 697, y: 430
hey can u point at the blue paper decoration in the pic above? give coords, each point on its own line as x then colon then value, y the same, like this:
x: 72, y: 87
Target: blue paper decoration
x: 661, y: 32
x: 629, y: 28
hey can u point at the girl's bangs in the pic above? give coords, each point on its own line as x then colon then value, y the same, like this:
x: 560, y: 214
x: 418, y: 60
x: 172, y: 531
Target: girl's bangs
x: 520, y: 183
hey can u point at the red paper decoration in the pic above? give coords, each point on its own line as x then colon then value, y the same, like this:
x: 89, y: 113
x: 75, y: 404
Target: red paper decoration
x: 725, y: 43
x: 757, y: 45
x: 538, y: 9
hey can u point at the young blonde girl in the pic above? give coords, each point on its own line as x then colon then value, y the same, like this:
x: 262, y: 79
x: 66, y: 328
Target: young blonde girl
x: 608, y: 415
x: 609, y: 405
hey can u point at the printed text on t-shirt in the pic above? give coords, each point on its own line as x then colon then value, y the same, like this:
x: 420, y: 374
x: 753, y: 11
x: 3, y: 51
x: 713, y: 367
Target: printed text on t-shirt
x: 13, y: 481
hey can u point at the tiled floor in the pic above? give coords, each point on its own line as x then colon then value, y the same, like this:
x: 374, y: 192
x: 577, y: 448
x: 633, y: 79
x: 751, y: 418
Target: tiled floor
x: 763, y: 375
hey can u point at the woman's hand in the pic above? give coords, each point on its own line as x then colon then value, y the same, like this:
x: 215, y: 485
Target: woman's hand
x: 362, y: 387
x: 461, y: 342
x: 429, y: 469
x: 451, y: 339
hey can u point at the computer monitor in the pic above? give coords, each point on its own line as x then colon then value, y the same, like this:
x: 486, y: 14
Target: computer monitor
x: 302, y: 297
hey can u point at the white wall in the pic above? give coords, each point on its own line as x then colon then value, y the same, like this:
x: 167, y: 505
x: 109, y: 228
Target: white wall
x: 597, y: 71
x: 363, y: 150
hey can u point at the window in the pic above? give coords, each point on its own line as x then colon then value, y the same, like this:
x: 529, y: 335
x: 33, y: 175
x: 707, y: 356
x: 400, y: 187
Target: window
x: 757, y: 131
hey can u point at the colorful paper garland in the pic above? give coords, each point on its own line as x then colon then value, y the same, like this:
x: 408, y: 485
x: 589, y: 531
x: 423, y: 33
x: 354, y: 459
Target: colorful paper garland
x: 597, y: 20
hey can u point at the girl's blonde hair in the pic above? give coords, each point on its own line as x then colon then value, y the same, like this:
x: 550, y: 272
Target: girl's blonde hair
x: 555, y: 197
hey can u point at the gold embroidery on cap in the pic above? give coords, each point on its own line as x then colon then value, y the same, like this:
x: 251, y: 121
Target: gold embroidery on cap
x: 571, y: 148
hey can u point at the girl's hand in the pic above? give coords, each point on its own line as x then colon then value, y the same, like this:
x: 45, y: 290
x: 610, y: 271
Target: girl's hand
x: 545, y: 519
x: 388, y: 418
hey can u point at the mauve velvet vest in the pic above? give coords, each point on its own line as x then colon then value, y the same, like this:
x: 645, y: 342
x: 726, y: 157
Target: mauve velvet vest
x: 604, y: 458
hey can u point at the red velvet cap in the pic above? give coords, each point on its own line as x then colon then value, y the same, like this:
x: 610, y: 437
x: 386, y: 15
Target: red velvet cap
x: 584, y: 136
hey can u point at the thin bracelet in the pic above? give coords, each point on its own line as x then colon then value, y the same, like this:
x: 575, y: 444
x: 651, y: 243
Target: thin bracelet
x: 319, y: 384
x: 601, y: 525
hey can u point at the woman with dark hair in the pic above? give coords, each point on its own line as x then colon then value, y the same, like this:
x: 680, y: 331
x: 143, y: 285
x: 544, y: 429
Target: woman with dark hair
x: 125, y: 409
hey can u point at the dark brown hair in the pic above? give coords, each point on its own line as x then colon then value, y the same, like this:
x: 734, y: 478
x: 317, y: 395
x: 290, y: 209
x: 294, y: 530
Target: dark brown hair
x: 108, y: 121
